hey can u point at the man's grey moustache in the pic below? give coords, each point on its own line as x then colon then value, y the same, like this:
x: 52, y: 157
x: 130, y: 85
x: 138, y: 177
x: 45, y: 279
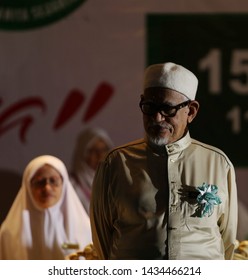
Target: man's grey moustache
x: 159, y: 125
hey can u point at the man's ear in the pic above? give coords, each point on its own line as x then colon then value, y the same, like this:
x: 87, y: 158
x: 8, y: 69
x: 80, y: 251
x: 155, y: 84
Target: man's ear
x: 193, y: 110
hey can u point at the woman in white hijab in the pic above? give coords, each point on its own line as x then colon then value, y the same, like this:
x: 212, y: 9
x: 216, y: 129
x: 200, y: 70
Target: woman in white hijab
x: 91, y: 146
x: 46, y: 220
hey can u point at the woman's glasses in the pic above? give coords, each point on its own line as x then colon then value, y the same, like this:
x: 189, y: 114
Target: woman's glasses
x: 52, y: 181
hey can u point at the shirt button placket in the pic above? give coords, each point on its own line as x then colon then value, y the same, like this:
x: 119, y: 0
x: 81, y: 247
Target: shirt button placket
x: 174, y: 210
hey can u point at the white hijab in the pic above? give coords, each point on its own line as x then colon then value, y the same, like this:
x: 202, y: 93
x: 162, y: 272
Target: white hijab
x: 30, y: 232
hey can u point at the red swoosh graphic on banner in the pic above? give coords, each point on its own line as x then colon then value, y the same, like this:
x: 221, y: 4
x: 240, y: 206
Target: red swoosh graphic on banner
x: 71, y: 105
x: 99, y: 99
x: 25, y: 121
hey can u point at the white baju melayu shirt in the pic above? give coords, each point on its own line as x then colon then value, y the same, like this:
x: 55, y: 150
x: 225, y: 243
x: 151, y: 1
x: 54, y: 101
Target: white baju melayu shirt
x: 146, y: 203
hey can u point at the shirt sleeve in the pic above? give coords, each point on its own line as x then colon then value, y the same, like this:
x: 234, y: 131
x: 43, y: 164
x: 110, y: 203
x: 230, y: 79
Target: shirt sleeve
x: 100, y: 206
x: 229, y: 226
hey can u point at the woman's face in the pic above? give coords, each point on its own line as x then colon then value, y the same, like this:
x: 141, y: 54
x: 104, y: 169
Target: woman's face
x: 96, y: 153
x: 46, y: 186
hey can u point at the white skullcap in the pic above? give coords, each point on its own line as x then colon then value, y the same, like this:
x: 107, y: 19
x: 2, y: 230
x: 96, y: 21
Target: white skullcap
x: 172, y: 76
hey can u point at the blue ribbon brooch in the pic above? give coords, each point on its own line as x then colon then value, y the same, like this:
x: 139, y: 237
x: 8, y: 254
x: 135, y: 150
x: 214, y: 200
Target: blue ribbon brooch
x: 207, y: 199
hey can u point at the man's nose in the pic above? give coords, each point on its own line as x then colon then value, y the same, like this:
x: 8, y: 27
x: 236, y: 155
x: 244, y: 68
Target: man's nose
x: 158, y: 117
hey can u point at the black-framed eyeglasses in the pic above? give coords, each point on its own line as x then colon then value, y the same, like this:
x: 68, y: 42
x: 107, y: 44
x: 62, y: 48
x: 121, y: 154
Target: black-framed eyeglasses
x: 150, y: 108
x: 41, y: 183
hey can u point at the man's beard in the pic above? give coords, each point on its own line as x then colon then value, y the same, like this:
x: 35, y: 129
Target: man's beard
x: 153, y: 136
x: 158, y: 141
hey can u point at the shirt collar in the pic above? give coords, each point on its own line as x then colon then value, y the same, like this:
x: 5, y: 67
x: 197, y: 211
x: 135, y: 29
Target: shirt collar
x: 172, y: 148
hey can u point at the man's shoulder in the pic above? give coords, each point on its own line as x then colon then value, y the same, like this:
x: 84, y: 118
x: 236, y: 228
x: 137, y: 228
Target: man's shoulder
x: 134, y: 145
x: 206, y: 146
x: 210, y: 149
x: 129, y: 145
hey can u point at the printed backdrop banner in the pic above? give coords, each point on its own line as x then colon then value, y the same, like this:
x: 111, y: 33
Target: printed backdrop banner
x: 67, y: 65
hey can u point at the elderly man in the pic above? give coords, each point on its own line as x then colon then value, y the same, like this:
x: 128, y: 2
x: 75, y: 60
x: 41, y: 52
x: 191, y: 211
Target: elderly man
x: 166, y: 196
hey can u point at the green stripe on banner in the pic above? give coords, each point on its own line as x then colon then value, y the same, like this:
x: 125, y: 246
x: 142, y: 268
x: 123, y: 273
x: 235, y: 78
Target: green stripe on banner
x: 20, y: 15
